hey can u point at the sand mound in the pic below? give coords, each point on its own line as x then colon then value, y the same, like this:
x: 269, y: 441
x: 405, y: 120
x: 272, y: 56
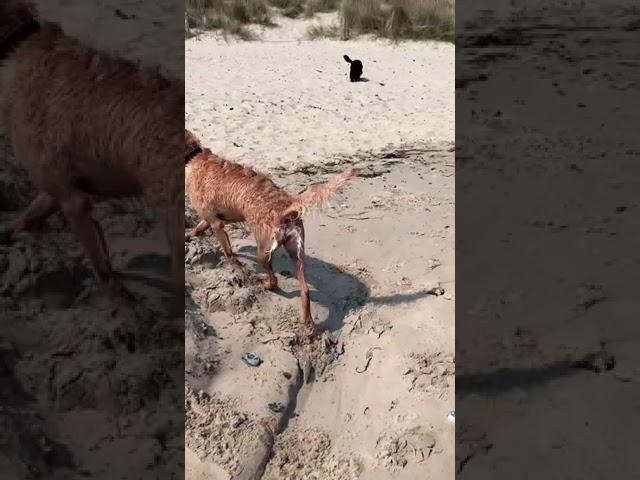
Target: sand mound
x: 216, y: 430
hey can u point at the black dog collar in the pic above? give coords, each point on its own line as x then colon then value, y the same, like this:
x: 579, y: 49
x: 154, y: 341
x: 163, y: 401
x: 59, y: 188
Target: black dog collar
x: 192, y: 154
x: 15, y: 38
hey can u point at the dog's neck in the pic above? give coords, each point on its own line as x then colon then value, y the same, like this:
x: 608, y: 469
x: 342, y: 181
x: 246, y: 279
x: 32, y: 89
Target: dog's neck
x: 17, y: 35
x: 192, y: 154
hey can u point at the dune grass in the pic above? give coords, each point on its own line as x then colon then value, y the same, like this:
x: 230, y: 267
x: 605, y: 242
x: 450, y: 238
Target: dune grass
x: 304, y: 8
x: 398, y: 19
x: 316, y: 32
x: 393, y: 19
x: 228, y: 16
x: 320, y: 6
x: 289, y: 8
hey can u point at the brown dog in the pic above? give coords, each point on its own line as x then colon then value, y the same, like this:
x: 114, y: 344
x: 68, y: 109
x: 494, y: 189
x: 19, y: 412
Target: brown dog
x: 88, y: 126
x: 225, y: 192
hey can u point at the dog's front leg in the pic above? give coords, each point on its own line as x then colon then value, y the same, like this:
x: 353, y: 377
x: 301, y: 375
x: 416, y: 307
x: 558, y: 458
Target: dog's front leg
x: 265, y: 259
x: 218, y: 229
x: 294, y: 245
x: 77, y: 209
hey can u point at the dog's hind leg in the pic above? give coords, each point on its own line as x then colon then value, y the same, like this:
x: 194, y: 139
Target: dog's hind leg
x: 199, y: 229
x: 294, y: 245
x: 41, y: 208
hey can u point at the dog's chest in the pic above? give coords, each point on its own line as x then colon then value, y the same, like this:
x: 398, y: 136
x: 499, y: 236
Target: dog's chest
x: 106, y: 179
x: 227, y: 215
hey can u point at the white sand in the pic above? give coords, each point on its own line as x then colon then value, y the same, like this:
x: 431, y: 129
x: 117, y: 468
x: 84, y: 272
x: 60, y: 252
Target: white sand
x: 288, y: 101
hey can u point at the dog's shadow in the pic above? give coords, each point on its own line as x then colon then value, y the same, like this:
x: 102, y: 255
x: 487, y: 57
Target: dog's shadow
x: 336, y: 290
x: 360, y: 80
x: 149, y: 275
x: 506, y: 380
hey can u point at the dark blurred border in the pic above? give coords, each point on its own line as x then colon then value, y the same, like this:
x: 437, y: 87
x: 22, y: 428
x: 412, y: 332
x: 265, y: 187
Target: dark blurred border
x: 547, y: 184
x: 86, y: 389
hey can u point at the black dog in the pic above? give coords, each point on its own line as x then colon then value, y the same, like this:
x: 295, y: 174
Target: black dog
x: 356, y: 69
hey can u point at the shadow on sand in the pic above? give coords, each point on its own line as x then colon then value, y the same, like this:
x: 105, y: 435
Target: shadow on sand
x: 336, y: 290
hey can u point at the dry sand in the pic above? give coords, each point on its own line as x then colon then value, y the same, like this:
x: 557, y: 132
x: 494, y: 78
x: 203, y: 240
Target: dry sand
x: 370, y: 398
x: 286, y: 101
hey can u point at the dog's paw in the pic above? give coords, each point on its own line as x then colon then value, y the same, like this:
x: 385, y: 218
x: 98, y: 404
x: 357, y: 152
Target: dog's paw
x: 269, y: 284
x: 240, y: 276
x: 307, y: 333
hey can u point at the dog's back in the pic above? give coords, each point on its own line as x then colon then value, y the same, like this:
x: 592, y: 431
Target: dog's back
x: 76, y: 115
x: 232, y: 192
x: 225, y: 192
x: 88, y: 125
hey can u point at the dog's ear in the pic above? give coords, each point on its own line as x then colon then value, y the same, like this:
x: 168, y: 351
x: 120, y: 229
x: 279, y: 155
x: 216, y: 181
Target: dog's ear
x: 190, y: 140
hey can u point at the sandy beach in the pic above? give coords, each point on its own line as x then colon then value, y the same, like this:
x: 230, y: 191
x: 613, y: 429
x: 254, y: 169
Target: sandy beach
x: 287, y: 101
x: 370, y: 398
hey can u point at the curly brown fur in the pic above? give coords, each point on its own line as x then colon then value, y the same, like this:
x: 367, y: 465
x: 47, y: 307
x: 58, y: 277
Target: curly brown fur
x: 88, y: 126
x: 225, y: 192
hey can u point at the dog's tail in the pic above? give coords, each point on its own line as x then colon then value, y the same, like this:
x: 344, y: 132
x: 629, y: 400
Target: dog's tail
x: 346, y: 57
x: 316, y: 196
